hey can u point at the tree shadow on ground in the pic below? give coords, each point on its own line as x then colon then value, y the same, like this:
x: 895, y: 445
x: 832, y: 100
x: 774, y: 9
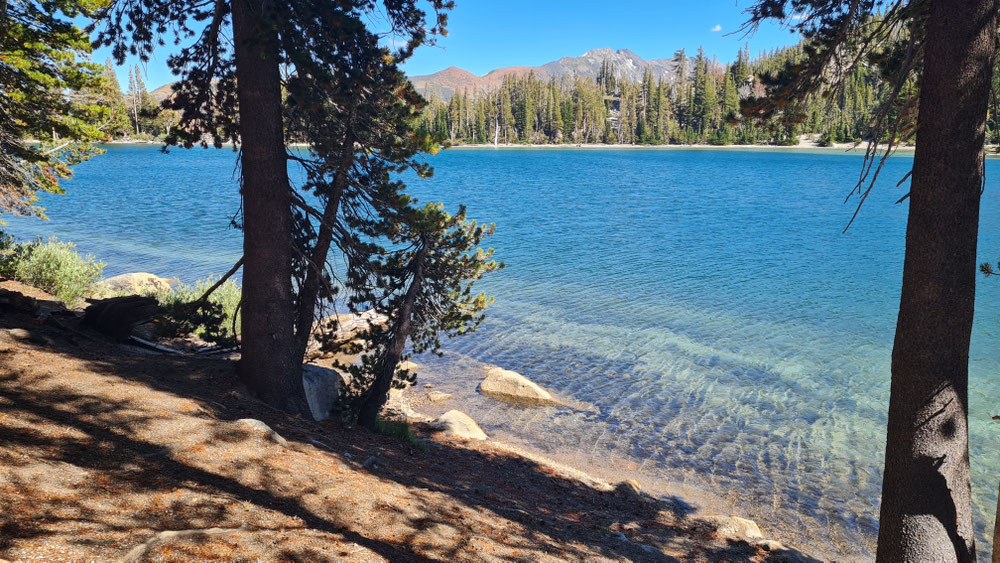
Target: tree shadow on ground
x: 102, y: 448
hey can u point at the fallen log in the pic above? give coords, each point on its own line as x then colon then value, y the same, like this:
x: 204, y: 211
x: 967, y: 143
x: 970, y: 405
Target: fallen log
x: 118, y: 316
x: 156, y: 347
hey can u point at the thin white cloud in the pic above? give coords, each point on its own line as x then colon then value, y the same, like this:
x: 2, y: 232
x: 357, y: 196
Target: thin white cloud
x: 716, y: 28
x: 798, y: 17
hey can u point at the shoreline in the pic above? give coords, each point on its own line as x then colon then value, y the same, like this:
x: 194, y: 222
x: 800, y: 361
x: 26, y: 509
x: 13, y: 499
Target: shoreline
x: 845, y: 147
x: 805, y: 143
x: 700, y: 497
x: 992, y: 151
x: 704, y: 496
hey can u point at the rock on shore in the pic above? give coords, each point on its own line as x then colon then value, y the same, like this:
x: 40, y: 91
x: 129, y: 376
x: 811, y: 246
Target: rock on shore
x: 137, y: 283
x: 458, y: 424
x: 513, y: 387
x: 322, y: 386
x: 734, y: 527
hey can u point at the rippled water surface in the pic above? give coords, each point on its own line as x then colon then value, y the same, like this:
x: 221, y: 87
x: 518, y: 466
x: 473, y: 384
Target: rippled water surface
x: 728, y: 336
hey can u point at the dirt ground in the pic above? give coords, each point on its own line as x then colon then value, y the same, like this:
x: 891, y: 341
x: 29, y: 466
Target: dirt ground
x: 111, y: 453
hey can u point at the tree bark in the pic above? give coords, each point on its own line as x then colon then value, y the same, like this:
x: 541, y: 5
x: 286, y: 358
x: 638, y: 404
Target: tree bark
x: 268, y: 365
x: 926, y: 512
x: 379, y: 393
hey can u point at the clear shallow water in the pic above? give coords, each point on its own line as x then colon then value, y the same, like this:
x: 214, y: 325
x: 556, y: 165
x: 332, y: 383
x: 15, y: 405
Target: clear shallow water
x: 704, y: 301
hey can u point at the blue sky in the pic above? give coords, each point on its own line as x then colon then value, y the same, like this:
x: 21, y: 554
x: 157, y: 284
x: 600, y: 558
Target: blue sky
x: 487, y: 34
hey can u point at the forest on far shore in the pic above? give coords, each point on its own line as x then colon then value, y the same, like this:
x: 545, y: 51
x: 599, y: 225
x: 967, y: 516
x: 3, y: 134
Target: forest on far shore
x: 701, y: 106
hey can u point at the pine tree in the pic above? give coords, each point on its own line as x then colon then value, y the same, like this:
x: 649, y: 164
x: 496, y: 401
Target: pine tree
x: 662, y: 112
x: 42, y: 58
x: 482, y: 135
x: 530, y: 108
x: 346, y: 91
x: 437, y: 266
x: 681, y: 87
x: 132, y: 95
x: 507, y: 115
x: 557, y: 121
x: 107, y: 94
x: 710, y: 101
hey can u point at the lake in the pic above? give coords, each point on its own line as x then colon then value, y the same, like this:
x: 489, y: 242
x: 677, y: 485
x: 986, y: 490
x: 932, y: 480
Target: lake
x: 726, y: 335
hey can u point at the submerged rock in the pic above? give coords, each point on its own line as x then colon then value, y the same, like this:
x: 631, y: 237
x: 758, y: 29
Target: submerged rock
x: 438, y: 396
x: 513, y: 387
x: 398, y: 407
x: 138, y: 283
x: 457, y: 423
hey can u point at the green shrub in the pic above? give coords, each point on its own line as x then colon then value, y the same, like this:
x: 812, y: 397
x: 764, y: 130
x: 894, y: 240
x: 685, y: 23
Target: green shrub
x: 213, y: 321
x: 399, y: 429
x: 51, y: 266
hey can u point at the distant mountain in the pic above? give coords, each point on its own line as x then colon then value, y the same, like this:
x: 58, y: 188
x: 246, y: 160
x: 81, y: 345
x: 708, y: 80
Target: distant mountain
x: 446, y: 82
x: 163, y: 92
x: 626, y: 64
x: 453, y: 79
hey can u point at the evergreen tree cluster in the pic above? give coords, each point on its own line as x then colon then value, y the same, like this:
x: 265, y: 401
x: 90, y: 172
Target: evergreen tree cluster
x: 134, y: 114
x: 700, y: 104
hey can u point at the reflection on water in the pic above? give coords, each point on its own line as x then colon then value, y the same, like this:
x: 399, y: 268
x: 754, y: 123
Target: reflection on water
x: 730, y: 338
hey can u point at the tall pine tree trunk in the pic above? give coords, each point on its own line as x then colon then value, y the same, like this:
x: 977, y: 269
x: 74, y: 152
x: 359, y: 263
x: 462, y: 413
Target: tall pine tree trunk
x: 268, y: 365
x: 926, y: 512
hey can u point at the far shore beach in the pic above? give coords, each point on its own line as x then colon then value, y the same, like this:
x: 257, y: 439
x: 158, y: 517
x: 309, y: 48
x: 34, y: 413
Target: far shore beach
x: 842, y: 147
x: 992, y: 151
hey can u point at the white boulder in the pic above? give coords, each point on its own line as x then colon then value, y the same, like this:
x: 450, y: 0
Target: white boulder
x: 322, y: 386
x: 137, y: 283
x: 457, y: 423
x: 513, y: 387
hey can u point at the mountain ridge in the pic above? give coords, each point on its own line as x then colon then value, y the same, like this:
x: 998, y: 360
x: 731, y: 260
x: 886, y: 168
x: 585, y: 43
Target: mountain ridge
x: 445, y: 83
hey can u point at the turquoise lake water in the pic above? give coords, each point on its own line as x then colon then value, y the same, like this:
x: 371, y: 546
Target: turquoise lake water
x: 705, y: 302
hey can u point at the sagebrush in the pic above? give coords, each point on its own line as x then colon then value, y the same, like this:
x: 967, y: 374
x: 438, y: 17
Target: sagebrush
x: 52, y: 266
